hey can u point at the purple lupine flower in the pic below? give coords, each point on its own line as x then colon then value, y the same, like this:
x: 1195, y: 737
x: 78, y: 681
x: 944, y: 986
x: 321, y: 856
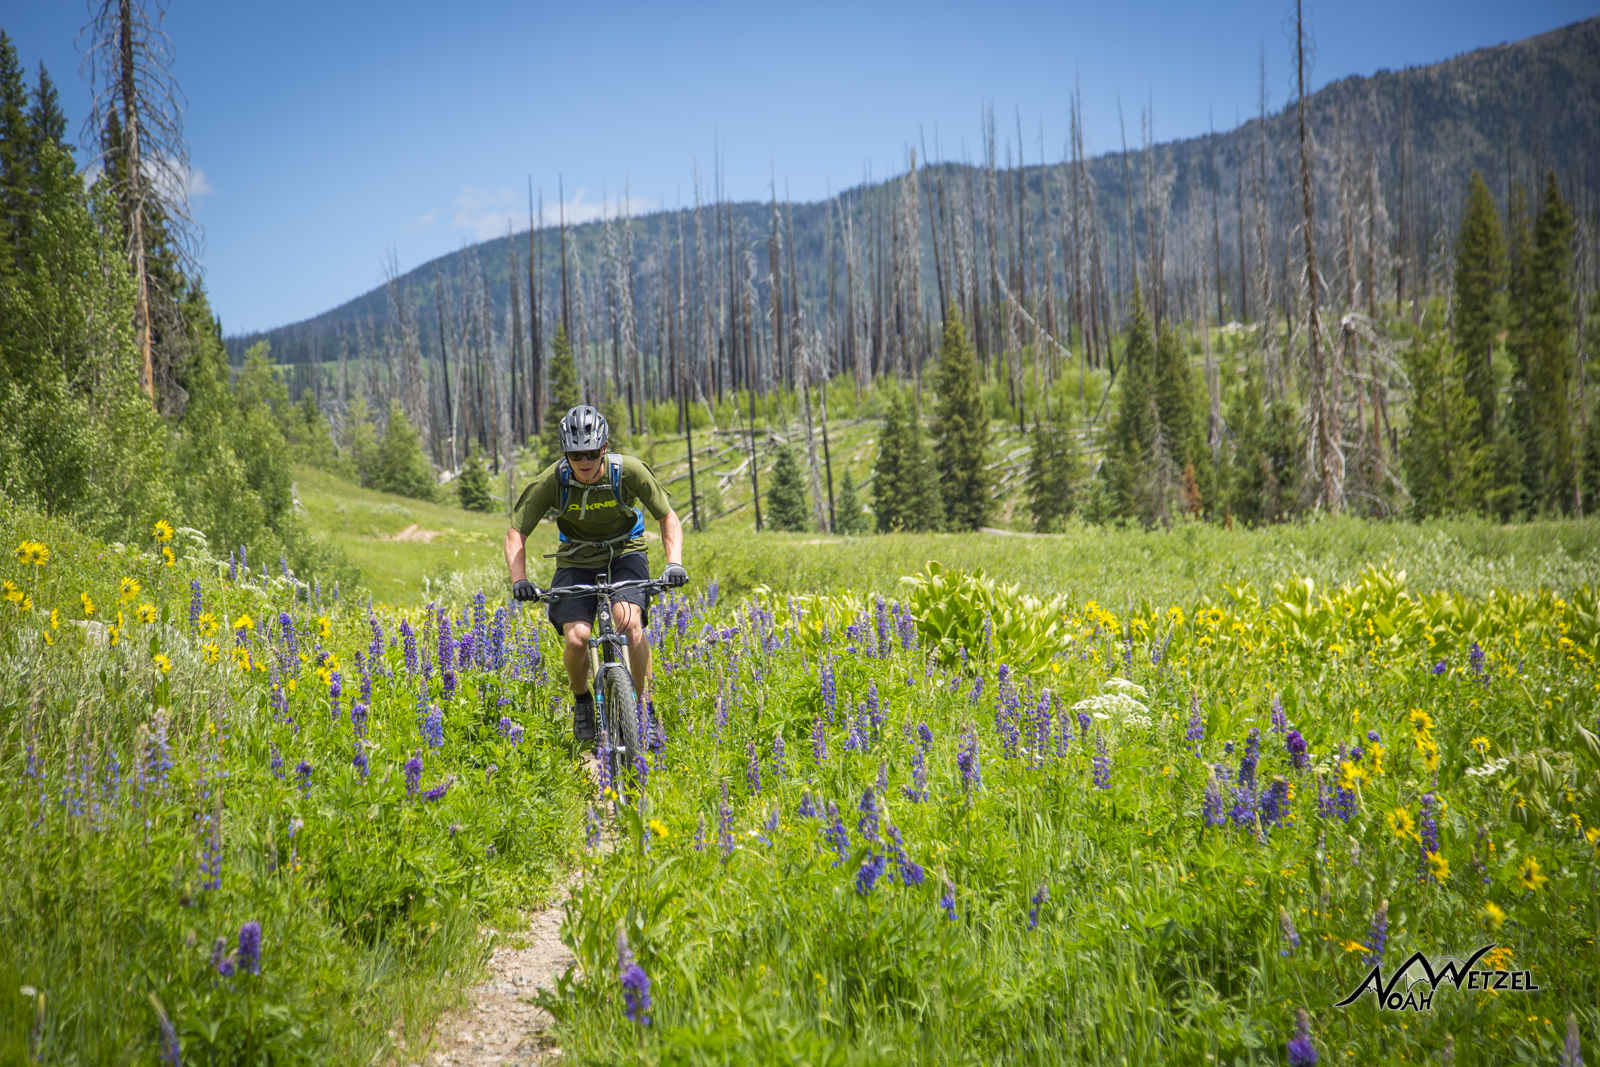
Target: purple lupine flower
x: 874, y: 710
x: 449, y: 684
x: 447, y: 645
x: 603, y: 761
x: 433, y: 726
x: 977, y: 686
x: 917, y: 791
x: 819, y: 742
x: 276, y: 763
x: 194, y: 603
x: 171, y: 1050
x: 780, y: 764
x: 1084, y: 722
x: 359, y: 762
x: 882, y: 785
x: 836, y: 835
x: 1428, y: 825
x: 725, y: 825
x: 924, y: 735
x: 911, y: 872
x: 410, y: 637
x: 967, y: 761
x: 1572, y: 1051
x: 591, y: 828
x: 220, y: 958
x: 868, y: 823
x: 884, y: 647
x: 250, y: 947
x: 1197, y: 723
x: 1280, y: 720
x: 1378, y: 936
x: 375, y: 651
x: 871, y: 869
x: 1302, y: 1053
x: 807, y: 809
x: 908, y: 631
x: 291, y: 642
x: 335, y: 690
x: 1356, y: 753
x: 358, y: 719
x: 1252, y: 756
x: 853, y: 741
x: 413, y: 773
x: 1211, y: 808
x: 302, y: 770
x: 1440, y: 667
x: 1039, y: 900
x: 700, y: 834
x: 830, y: 693
x: 1275, y: 803
x: 1373, y: 736
x: 752, y: 770
x: 438, y: 792
x: 1476, y: 655
x: 464, y: 652
x: 641, y: 768
x: 1291, y: 936
x: 1299, y: 758
x: 948, y: 902
x: 635, y: 983
x: 505, y: 726
x: 233, y: 569
x: 1102, y: 763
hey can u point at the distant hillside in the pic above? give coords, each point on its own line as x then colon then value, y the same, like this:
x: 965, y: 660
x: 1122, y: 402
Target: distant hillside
x: 1510, y: 111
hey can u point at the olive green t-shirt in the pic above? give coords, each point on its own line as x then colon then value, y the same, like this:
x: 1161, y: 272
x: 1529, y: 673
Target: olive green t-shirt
x: 592, y: 513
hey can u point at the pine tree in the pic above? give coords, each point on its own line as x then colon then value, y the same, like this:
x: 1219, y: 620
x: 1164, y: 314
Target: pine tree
x: 1054, y: 471
x: 1133, y: 451
x: 786, y: 496
x: 848, y: 517
x: 924, y: 504
x: 888, y: 494
x: 403, y: 468
x: 472, y: 487
x: 1441, y: 450
x: 962, y: 432
x: 1475, y: 309
x: 564, y: 395
x: 1540, y: 338
x: 1264, y: 466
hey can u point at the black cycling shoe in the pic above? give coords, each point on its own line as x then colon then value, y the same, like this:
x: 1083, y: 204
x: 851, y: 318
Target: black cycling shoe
x: 583, y: 717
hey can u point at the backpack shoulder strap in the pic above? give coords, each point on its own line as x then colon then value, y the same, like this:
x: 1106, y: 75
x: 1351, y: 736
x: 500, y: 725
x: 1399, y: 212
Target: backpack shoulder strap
x: 614, y: 461
x: 564, y: 480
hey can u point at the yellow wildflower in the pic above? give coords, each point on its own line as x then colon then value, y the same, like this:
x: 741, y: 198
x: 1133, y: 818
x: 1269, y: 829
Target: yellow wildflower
x: 290, y: 685
x: 1494, y: 915
x: 1353, y: 946
x: 147, y: 613
x: 1403, y: 825
x: 324, y: 627
x: 1497, y: 960
x: 213, y: 653
x: 166, y: 552
x: 1421, y: 721
x: 162, y: 663
x: 208, y: 624
x: 1351, y: 774
x: 244, y: 622
x: 48, y: 639
x: 130, y: 590
x: 163, y: 531
x: 1529, y: 875
x: 1438, y: 866
x: 88, y: 605
x: 1481, y: 743
x: 657, y: 827
x: 33, y: 552
x: 1377, y: 760
x: 113, y: 635
x: 241, y: 658
x: 55, y: 619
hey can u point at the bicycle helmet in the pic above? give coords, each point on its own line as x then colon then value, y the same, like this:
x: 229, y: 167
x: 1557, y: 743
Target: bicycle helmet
x: 584, y: 429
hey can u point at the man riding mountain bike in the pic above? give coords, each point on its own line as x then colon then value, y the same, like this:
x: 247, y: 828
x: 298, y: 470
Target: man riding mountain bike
x: 594, y: 493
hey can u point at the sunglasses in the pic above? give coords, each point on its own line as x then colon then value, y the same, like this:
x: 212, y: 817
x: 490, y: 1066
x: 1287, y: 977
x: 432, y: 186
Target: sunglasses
x: 585, y: 457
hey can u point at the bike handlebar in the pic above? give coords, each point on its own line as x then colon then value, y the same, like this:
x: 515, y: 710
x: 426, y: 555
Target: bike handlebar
x: 561, y: 592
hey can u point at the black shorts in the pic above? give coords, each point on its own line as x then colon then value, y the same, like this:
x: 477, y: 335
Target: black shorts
x: 635, y: 566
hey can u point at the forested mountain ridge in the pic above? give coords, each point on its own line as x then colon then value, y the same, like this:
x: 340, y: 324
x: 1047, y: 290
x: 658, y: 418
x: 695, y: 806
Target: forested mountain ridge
x: 1512, y: 110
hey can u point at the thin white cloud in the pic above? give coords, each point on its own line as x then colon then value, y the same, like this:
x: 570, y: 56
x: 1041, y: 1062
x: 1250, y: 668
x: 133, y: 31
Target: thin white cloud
x: 421, y: 222
x: 177, y: 183
x: 489, y: 214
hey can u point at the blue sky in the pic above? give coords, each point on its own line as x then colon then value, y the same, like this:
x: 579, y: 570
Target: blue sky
x: 327, y: 136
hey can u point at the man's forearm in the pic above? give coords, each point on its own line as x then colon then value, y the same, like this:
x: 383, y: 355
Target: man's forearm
x: 672, y: 537
x: 516, y: 555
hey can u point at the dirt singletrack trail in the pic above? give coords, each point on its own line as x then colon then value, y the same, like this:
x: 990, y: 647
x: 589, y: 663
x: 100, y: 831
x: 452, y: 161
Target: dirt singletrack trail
x: 499, y: 1026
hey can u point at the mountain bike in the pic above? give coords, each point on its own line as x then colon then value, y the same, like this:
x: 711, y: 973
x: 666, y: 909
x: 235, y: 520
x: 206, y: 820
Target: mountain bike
x: 609, y: 678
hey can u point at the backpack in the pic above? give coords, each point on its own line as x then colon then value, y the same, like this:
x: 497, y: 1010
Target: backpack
x: 614, y: 469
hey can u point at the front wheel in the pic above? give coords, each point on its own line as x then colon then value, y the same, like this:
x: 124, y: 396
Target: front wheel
x: 622, y: 717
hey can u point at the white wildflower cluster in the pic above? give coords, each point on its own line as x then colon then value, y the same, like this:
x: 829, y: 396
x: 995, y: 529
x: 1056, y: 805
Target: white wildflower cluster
x: 1488, y: 770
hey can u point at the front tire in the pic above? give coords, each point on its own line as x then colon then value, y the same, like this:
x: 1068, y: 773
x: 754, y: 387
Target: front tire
x: 622, y: 717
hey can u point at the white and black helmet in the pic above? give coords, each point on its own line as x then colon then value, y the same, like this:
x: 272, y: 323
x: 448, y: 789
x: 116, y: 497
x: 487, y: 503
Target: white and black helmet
x: 584, y: 429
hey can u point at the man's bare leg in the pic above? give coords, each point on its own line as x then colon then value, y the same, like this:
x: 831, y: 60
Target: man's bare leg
x: 575, y: 655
